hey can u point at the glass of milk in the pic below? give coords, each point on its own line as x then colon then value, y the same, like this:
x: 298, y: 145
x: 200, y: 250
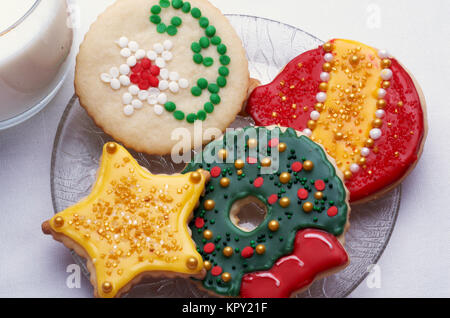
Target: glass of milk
x: 35, y: 44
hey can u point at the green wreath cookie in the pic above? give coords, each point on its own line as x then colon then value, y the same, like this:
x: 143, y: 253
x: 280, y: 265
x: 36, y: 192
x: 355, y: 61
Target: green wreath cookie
x: 295, y: 180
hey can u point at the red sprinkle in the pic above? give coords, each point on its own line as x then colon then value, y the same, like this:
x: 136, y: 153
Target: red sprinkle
x: 144, y: 85
x: 247, y: 252
x: 146, y: 63
x: 154, y: 82
x: 274, y: 142
x: 297, y: 166
x: 155, y: 70
x: 251, y: 160
x: 258, y: 182
x: 199, y: 223
x: 209, y: 248
x: 134, y: 78
x: 320, y: 185
x: 215, y: 172
x: 333, y: 211
x: 302, y: 194
x: 216, y: 271
x: 137, y: 68
x: 272, y: 199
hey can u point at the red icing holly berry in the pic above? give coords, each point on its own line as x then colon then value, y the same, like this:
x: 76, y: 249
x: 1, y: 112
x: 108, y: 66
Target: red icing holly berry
x: 209, y: 248
x: 247, y: 252
x: 199, y: 223
x: 154, y: 82
x: 144, y: 74
x: 297, y: 166
x: 144, y: 85
x: 320, y: 185
x: 155, y: 70
x: 258, y: 182
x: 215, y: 172
x: 216, y: 271
x: 302, y: 194
x: 146, y: 63
x: 332, y: 211
x: 272, y: 199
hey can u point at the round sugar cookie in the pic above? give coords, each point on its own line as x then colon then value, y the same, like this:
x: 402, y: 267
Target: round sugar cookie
x: 360, y: 103
x: 149, y: 72
x: 302, y: 235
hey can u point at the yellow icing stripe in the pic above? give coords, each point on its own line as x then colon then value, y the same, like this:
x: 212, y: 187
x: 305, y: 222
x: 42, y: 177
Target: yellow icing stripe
x: 351, y: 101
x: 134, y: 222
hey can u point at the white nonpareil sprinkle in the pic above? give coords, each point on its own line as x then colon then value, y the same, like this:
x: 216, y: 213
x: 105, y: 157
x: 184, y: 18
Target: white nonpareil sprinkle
x: 164, y: 73
x: 321, y: 97
x: 133, y: 89
x: 174, y: 87
x: 128, y: 110
x: 163, y: 85
x: 375, y: 133
x: 307, y: 132
x: 123, y: 42
x: 162, y: 98
x: 114, y: 71
x: 158, y: 47
x: 354, y: 168
x: 152, y: 55
x: 152, y: 99
x: 106, y: 78
x: 131, y: 61
x: 124, y: 69
x: 137, y: 104
x: 174, y: 76
x: 124, y: 80
x: 167, y: 55
x: 115, y: 84
x: 133, y: 46
x: 168, y: 45
x: 184, y: 83
x: 158, y: 109
x: 365, y: 152
x: 143, y: 95
x: 127, y: 98
x: 160, y: 62
x: 315, y: 115
x: 140, y: 54
x: 126, y: 52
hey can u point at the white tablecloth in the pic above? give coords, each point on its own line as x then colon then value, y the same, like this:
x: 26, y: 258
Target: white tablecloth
x: 417, y: 260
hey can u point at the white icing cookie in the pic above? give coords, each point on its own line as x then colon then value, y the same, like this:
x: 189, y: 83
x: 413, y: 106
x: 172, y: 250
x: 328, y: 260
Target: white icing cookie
x: 148, y: 67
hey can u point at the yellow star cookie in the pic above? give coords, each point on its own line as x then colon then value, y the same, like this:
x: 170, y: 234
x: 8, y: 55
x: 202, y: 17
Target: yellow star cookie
x: 133, y: 224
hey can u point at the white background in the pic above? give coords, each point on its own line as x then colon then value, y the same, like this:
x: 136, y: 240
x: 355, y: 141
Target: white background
x: 416, y: 262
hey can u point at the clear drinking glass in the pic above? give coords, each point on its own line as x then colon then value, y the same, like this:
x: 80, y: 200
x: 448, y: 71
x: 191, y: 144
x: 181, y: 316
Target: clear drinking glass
x: 35, y: 46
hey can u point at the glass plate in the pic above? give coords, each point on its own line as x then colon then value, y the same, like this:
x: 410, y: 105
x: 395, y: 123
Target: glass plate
x: 78, y: 145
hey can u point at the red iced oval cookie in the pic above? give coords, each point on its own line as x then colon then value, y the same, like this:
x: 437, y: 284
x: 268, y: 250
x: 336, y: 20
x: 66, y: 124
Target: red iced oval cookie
x: 359, y: 103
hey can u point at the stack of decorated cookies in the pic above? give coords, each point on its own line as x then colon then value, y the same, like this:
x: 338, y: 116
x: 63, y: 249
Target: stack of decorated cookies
x: 341, y: 123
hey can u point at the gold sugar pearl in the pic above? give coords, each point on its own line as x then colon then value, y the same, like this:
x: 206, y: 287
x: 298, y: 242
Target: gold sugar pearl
x: 222, y: 154
x: 192, y: 263
x: 328, y: 47
x: 285, y: 177
x: 274, y: 225
x: 252, y: 143
x: 209, y: 205
x: 224, y: 182
x: 386, y: 63
x: 260, y: 249
x: 362, y: 161
x: 266, y: 162
x: 377, y: 123
x: 226, y: 277
x: 111, y: 147
x: 369, y: 143
x: 348, y: 174
x: 195, y: 177
x: 386, y: 84
x: 354, y: 59
x: 312, y: 124
x: 323, y: 86
x: 239, y: 164
x: 318, y: 195
x: 381, y: 103
x: 308, y: 165
x: 319, y: 107
x: 327, y: 67
x: 285, y: 202
x: 107, y: 287
x: 208, y: 234
x: 207, y: 265
x: 282, y: 147
x: 58, y: 222
x: 308, y: 207
x: 228, y: 251
x: 338, y: 135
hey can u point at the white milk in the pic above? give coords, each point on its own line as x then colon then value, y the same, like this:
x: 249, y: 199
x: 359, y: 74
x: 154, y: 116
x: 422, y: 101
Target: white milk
x: 31, y: 53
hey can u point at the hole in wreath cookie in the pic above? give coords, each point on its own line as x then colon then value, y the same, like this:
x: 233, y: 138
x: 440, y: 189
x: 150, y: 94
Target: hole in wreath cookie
x: 248, y: 213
